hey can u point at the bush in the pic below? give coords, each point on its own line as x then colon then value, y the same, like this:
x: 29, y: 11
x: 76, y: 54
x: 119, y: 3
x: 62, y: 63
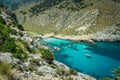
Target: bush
x: 73, y: 72
x: 13, y: 32
x: 20, y: 54
x: 8, y: 45
x: 34, y: 62
x: 20, y: 27
x: 47, y: 55
x: 52, y: 66
x: 1, y: 26
x: 21, y: 34
x: 2, y: 20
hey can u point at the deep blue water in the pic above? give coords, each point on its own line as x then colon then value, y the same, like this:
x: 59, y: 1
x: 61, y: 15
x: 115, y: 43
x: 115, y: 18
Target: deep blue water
x: 105, y: 56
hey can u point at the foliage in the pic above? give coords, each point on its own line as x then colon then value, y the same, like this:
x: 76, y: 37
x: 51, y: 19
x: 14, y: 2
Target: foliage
x: 22, y: 44
x: 34, y: 62
x: 8, y: 45
x: 52, y: 66
x: 20, y: 27
x: 2, y: 20
x: 13, y: 32
x: 116, y: 73
x: 73, y: 72
x: 47, y: 55
x: 20, y: 54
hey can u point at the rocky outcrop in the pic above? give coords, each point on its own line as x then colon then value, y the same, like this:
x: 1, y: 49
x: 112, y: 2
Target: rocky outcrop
x: 36, y: 68
x: 110, y: 34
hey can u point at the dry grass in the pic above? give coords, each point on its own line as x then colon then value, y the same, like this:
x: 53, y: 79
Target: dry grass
x: 5, y: 71
x: 21, y: 45
x: 108, y: 15
x: 2, y: 78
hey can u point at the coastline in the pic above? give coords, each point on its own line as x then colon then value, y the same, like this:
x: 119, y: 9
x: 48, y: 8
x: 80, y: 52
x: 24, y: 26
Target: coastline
x: 73, y: 38
x: 90, y: 38
x: 70, y: 37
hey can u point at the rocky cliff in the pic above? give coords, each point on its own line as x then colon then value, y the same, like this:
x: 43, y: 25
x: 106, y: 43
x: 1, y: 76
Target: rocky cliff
x: 69, y: 17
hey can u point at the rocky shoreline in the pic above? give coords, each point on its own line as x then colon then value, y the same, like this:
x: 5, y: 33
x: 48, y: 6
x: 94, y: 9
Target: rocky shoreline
x: 43, y: 71
x: 106, y: 35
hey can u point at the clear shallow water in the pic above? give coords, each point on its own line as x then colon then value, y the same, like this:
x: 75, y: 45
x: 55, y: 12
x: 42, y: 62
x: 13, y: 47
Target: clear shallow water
x: 105, y: 56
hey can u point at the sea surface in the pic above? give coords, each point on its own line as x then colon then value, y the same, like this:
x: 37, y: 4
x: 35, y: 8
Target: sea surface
x: 98, y: 60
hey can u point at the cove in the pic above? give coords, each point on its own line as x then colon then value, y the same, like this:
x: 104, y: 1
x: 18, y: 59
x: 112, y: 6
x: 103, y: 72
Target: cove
x: 104, y: 56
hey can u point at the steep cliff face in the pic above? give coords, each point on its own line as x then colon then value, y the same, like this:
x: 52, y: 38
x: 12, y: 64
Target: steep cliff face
x: 69, y: 16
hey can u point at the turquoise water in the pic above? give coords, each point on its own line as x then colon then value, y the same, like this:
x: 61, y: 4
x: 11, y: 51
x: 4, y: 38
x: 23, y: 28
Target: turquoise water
x: 105, y: 56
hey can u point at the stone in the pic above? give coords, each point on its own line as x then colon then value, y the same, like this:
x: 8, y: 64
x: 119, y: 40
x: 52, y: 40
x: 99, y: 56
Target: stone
x: 7, y: 57
x: 46, y: 70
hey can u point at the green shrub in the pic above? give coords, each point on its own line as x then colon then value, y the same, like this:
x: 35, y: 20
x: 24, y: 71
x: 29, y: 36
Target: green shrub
x: 52, y: 66
x: 34, y: 62
x: 31, y: 50
x: 47, y: 55
x: 73, y: 72
x: 2, y: 20
x: 13, y: 32
x: 8, y: 45
x: 21, y: 34
x: 1, y: 26
x: 20, y: 27
x: 20, y: 54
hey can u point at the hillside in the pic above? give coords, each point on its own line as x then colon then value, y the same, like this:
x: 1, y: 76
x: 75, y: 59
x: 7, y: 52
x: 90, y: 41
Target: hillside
x: 24, y: 58
x: 69, y: 17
